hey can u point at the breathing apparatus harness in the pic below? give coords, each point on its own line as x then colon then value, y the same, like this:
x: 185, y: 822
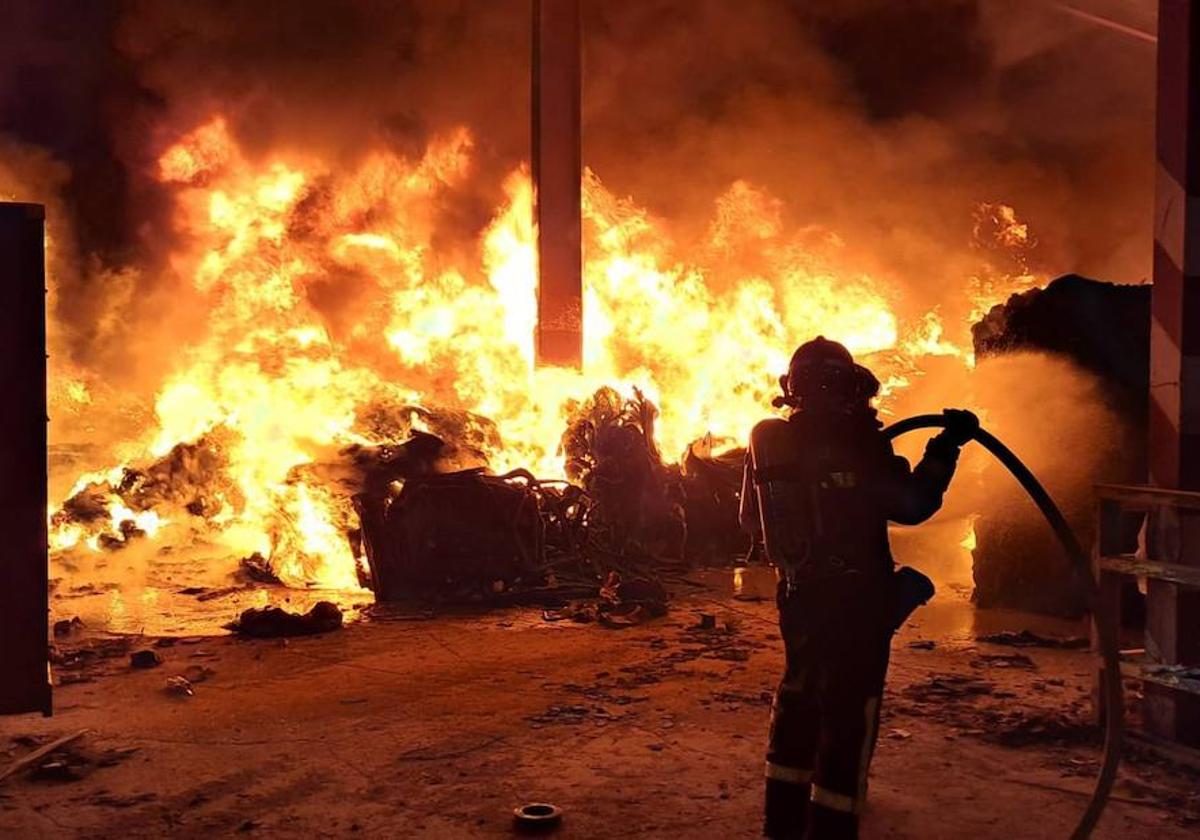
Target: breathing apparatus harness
x: 1106, y: 630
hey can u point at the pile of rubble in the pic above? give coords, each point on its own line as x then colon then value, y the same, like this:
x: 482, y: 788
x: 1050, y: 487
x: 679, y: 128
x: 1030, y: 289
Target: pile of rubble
x: 622, y: 518
x: 427, y: 519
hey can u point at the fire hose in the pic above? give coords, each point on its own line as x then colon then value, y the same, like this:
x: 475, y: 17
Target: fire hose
x: 1106, y: 630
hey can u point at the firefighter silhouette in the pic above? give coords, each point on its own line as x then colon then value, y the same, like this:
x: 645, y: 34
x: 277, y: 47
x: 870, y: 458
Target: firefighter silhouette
x: 819, y: 489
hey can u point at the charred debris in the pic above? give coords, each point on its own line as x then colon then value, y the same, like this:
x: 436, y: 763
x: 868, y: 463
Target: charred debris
x: 595, y: 546
x: 429, y: 521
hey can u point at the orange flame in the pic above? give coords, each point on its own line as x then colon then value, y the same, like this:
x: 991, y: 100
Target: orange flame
x: 268, y: 244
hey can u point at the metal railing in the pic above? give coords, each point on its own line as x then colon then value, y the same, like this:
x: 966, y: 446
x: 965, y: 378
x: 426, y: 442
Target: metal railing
x: 1162, y: 531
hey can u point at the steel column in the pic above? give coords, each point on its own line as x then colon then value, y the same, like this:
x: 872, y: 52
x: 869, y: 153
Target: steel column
x: 24, y: 618
x: 1173, y: 613
x: 557, y: 171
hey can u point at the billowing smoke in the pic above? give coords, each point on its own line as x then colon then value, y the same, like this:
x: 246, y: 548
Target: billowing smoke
x: 1055, y: 416
x: 882, y: 123
x: 886, y: 122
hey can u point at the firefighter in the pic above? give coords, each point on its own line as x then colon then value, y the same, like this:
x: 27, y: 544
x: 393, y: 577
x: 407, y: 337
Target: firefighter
x: 819, y: 489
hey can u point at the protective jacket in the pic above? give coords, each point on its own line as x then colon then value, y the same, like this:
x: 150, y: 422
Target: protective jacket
x: 839, y: 483
x: 820, y: 489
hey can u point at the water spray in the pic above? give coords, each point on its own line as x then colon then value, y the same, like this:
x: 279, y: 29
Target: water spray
x: 1106, y: 630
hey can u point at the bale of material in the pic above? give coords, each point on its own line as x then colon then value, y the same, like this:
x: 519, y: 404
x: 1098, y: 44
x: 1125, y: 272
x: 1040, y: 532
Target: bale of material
x: 455, y: 536
x: 711, y: 483
x: 610, y: 452
x: 1103, y: 329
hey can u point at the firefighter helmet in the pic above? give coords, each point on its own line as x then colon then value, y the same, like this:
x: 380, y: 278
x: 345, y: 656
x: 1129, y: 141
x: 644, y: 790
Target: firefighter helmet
x: 822, y: 374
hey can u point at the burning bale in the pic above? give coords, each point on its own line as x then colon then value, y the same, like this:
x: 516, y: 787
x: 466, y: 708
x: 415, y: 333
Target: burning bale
x: 711, y: 483
x: 1102, y: 329
x: 114, y: 508
x: 465, y: 532
x: 610, y: 451
x: 433, y: 521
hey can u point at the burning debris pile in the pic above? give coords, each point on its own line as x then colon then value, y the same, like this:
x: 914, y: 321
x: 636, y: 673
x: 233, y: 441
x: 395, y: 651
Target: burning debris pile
x: 430, y: 520
x: 618, y: 518
x: 288, y: 273
x: 122, y: 505
x: 635, y: 500
x: 356, y: 402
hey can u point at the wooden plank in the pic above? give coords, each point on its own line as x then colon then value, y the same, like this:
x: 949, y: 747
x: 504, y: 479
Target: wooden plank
x: 1141, y: 671
x: 1187, y: 756
x: 24, y: 575
x: 1107, y: 606
x: 1143, y: 498
x: 1127, y: 564
x: 40, y: 753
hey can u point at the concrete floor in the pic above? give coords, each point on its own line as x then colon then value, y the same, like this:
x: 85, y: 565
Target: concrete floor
x: 404, y: 726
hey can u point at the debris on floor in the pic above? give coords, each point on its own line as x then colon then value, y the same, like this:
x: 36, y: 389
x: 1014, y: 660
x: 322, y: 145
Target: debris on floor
x: 1021, y: 727
x: 179, y: 686
x: 56, y: 771
x: 112, y: 800
x: 1027, y: 638
x: 580, y: 612
x: 275, y: 622
x: 63, y: 759
x: 624, y: 603
x: 67, y: 627
x: 942, y: 687
x: 742, y: 698
x: 536, y: 817
x: 84, y: 659
x: 197, y: 673
x: 222, y: 592
x: 573, y: 715
x: 1002, y: 660
x: 146, y: 658
x: 43, y: 751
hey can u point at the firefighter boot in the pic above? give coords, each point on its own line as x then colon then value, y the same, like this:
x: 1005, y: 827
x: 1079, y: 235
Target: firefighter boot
x: 786, y: 811
x: 831, y: 824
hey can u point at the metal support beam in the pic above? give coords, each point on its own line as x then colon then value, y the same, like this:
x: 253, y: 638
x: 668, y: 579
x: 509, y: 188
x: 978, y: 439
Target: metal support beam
x: 557, y: 172
x: 24, y: 618
x: 1173, y: 613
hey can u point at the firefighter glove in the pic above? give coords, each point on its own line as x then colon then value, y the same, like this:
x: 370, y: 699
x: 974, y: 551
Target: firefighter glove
x: 961, y: 425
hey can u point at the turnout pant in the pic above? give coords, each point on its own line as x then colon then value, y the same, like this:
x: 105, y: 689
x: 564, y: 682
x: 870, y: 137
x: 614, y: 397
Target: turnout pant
x: 824, y: 722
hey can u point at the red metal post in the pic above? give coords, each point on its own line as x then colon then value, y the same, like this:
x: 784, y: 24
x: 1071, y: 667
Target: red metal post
x: 557, y: 171
x: 1173, y: 613
x: 24, y: 618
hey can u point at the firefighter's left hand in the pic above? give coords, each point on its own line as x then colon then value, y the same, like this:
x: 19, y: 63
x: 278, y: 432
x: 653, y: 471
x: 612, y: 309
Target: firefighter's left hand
x: 961, y: 425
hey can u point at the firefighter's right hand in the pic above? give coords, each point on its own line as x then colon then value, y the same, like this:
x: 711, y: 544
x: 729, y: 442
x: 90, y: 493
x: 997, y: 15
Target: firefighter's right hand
x: 961, y: 425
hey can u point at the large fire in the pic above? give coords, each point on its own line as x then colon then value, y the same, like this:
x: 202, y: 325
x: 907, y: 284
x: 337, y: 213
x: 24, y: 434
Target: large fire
x: 282, y: 378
